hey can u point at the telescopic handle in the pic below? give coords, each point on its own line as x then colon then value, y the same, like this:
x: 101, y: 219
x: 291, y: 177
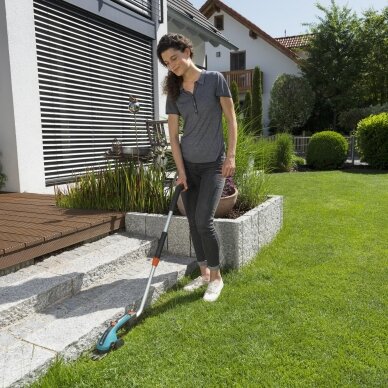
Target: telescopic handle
x: 175, y: 197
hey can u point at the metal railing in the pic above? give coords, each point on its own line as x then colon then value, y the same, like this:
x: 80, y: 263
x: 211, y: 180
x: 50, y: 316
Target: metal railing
x: 301, y: 143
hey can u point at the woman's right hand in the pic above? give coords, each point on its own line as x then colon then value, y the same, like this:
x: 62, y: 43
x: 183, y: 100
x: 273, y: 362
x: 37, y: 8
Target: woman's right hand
x: 181, y: 180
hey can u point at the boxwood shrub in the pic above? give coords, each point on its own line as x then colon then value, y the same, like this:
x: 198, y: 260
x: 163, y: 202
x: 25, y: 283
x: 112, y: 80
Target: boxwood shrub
x: 372, y: 140
x: 327, y: 150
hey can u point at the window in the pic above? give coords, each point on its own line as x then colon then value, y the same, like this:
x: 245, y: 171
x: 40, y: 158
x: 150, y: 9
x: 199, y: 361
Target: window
x: 87, y: 67
x: 219, y: 22
x: 237, y: 60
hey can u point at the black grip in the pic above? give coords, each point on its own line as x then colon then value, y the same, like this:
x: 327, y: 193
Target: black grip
x: 175, y: 197
x: 161, y: 242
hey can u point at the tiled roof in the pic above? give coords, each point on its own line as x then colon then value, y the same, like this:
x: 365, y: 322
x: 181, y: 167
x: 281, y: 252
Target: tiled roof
x: 185, y: 8
x: 295, y: 41
x: 212, y: 6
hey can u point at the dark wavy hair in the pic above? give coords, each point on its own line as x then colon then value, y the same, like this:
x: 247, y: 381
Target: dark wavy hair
x: 172, y: 83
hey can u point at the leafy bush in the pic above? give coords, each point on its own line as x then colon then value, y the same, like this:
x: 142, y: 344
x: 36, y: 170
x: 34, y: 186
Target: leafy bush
x: 350, y: 118
x: 298, y: 161
x: 3, y: 177
x: 372, y: 140
x: 121, y: 187
x: 283, y: 152
x: 291, y: 104
x: 327, y: 150
x: 257, y: 102
x: 235, y: 96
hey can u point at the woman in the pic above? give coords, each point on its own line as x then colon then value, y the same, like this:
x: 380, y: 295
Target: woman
x: 200, y: 97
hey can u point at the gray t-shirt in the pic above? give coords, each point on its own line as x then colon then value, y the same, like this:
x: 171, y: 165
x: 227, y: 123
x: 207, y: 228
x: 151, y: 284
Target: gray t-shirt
x: 202, y: 140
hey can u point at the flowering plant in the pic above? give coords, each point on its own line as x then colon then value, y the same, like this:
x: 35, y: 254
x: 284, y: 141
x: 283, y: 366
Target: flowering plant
x: 229, y: 187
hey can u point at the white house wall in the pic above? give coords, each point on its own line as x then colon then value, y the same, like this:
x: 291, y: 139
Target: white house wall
x: 159, y: 70
x: 272, y: 62
x: 20, y: 132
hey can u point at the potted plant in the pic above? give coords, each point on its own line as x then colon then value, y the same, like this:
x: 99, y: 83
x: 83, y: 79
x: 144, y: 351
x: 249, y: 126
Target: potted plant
x: 227, y: 201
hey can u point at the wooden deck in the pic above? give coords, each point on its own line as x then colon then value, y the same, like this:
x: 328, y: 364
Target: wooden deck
x: 31, y: 226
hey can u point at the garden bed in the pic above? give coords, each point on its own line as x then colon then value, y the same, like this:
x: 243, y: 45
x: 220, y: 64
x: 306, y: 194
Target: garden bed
x: 240, y: 239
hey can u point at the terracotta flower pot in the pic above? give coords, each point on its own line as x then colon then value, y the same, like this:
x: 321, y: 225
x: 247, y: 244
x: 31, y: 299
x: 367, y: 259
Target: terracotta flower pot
x: 224, y: 206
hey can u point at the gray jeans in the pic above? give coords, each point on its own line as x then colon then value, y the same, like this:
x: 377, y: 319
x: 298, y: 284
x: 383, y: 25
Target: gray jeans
x: 205, y: 185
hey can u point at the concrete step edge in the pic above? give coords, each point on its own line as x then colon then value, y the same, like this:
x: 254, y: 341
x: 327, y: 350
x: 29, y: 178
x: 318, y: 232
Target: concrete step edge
x: 56, y: 279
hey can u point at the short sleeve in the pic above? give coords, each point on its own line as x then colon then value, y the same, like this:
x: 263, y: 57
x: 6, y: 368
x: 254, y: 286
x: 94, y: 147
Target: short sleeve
x: 222, y: 89
x: 171, y: 107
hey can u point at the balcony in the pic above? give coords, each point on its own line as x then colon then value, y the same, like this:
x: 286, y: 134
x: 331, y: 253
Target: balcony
x: 243, y: 78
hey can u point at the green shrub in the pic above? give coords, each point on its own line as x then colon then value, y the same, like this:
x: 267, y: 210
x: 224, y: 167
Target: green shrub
x: 283, y: 152
x: 257, y: 102
x: 350, y: 118
x: 3, y: 177
x: 235, y: 96
x: 327, y: 150
x: 372, y: 140
x: 298, y: 161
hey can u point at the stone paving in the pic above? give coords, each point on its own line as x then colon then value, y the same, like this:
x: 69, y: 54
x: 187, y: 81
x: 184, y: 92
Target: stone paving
x: 59, y: 307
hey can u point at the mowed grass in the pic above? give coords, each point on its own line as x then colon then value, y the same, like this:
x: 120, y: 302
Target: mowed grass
x: 310, y: 310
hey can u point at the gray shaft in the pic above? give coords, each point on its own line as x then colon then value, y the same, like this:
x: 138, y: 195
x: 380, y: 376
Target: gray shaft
x: 143, y: 301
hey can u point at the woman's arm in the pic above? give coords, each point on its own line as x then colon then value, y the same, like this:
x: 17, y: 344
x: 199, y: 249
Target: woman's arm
x: 229, y: 165
x: 173, y: 129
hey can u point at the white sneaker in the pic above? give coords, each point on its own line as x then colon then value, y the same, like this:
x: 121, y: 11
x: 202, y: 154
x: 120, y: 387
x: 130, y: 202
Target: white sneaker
x: 213, y: 291
x: 195, y: 284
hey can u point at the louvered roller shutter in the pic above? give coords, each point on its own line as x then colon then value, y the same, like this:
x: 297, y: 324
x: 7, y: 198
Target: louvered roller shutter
x: 87, y: 68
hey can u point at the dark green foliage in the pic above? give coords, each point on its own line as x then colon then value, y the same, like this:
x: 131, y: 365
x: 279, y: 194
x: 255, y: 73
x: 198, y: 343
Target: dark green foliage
x: 257, y: 103
x: 372, y: 140
x: 350, y: 118
x: 283, y: 152
x: 235, y: 96
x: 291, y: 104
x: 247, y: 108
x: 346, y: 62
x: 3, y: 177
x: 327, y: 150
x: 372, y: 87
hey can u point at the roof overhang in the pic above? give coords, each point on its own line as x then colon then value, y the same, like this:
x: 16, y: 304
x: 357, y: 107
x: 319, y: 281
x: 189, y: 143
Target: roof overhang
x: 185, y: 23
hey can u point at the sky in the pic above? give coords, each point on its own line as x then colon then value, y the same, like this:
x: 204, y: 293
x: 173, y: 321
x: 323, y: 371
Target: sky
x: 276, y: 17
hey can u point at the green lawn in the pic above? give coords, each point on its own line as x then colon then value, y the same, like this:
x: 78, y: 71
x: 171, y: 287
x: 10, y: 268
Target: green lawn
x: 310, y: 310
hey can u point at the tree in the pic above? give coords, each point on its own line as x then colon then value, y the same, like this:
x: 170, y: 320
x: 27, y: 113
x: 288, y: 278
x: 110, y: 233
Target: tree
x: 247, y: 108
x: 291, y: 103
x: 257, y: 103
x: 334, y: 61
x: 235, y: 95
x: 373, y: 85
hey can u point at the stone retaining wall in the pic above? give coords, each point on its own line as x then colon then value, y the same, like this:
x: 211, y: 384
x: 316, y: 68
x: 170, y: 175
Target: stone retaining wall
x: 240, y: 239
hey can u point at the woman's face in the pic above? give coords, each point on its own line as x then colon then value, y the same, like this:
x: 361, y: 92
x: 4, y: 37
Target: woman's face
x: 177, y: 61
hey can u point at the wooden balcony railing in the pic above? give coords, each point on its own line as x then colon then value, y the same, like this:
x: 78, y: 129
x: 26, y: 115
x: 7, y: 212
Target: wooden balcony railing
x: 243, y: 78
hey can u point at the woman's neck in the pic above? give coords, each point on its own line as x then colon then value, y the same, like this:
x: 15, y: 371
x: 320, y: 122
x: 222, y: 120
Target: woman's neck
x: 192, y: 74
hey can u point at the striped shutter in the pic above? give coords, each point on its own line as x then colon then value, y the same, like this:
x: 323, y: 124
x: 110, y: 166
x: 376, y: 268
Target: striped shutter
x: 87, y: 68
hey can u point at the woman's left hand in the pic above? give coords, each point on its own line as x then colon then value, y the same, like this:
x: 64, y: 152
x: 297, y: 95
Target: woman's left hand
x: 229, y: 166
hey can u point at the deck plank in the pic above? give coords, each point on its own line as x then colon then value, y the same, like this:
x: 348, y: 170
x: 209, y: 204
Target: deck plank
x: 32, y: 225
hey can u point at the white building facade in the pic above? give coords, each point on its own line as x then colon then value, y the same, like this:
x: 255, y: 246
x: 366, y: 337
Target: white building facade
x: 255, y: 48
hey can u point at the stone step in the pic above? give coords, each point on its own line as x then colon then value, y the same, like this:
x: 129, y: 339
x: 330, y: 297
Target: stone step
x: 74, y: 324
x: 60, y: 276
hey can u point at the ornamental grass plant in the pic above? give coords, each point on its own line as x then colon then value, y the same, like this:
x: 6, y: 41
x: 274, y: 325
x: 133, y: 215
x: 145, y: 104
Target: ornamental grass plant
x: 121, y: 186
